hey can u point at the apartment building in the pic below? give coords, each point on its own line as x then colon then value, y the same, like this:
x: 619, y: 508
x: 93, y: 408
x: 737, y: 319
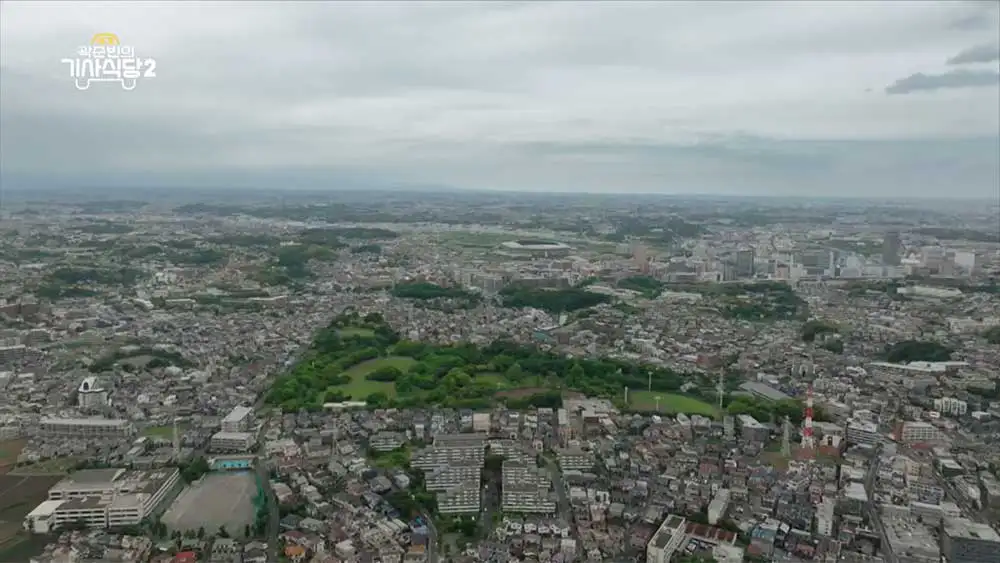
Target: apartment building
x: 387, y: 441
x: 464, y: 499
x: 232, y: 442
x: 920, y: 432
x: 862, y: 432
x: 454, y: 465
x: 951, y: 406
x: 86, y: 427
x: 667, y: 540
x: 104, y: 498
x: 575, y: 459
x: 717, y: 508
x: 526, y: 489
x: 451, y: 449
x: 240, y: 419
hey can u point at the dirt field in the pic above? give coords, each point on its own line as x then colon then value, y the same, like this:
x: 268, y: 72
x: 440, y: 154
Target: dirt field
x: 19, y: 496
x: 9, y: 450
x: 220, y: 499
x: 522, y: 392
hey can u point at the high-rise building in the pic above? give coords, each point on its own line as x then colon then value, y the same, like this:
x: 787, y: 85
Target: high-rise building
x: 745, y: 262
x: 890, y: 249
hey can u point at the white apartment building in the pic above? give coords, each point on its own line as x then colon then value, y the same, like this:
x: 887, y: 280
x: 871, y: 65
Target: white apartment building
x: 232, y: 442
x: 464, y: 499
x: 526, y: 489
x: 717, y: 508
x: 951, y: 406
x: 862, y: 432
x: 103, y: 498
x: 917, y: 432
x: 86, y: 427
x: 240, y: 419
x: 667, y: 540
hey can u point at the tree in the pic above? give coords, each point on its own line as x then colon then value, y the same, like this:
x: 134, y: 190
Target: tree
x: 515, y: 374
x: 246, y: 531
x: 201, y: 532
x: 222, y: 533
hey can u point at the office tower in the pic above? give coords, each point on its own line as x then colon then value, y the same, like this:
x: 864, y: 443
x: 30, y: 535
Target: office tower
x: 890, y: 249
x: 745, y: 263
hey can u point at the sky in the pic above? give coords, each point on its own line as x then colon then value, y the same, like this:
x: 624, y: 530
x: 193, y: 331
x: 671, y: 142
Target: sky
x: 883, y: 99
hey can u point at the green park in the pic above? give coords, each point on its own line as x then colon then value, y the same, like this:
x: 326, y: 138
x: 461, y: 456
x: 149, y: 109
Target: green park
x: 359, y: 358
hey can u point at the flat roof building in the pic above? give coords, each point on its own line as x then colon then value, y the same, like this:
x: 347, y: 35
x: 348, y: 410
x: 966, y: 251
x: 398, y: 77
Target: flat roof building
x: 104, y: 498
x: 86, y: 427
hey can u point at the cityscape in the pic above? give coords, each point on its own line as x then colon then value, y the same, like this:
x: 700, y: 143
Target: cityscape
x: 472, y: 376
x: 500, y: 281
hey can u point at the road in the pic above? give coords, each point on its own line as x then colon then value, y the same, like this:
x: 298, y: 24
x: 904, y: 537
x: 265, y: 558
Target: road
x: 272, y: 509
x: 432, y: 538
x: 872, y: 507
x: 564, y: 507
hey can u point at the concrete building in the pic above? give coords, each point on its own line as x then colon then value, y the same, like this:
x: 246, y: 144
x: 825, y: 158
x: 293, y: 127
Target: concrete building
x: 920, y: 432
x: 464, y: 499
x: 526, y: 489
x: 232, y: 442
x: 240, y: 419
x: 91, y: 394
x: 103, y: 498
x: 862, y: 432
x: 86, y: 427
x: 717, y: 508
x: 667, y: 540
x: 951, y: 406
x: 575, y: 459
x: 965, y: 541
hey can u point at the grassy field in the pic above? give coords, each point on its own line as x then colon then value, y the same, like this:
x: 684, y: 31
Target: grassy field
x: 165, y: 432
x: 359, y: 387
x: 356, y: 331
x: 56, y: 466
x: 670, y: 403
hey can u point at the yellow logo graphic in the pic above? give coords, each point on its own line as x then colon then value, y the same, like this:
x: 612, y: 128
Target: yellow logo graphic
x: 104, y: 39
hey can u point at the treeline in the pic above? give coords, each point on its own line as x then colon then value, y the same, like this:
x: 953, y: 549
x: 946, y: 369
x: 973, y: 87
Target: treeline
x: 551, y: 300
x: 812, y: 329
x: 917, y: 351
x: 427, y: 290
x: 992, y: 335
x: 772, y: 411
x: 647, y: 286
x: 160, y: 358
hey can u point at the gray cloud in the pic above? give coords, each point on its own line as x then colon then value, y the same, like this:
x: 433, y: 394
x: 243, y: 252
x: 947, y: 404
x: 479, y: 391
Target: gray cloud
x: 654, y: 97
x: 985, y: 53
x: 921, y: 82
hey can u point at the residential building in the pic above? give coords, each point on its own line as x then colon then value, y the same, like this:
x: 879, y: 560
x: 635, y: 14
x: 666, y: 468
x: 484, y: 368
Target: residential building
x: 86, y: 427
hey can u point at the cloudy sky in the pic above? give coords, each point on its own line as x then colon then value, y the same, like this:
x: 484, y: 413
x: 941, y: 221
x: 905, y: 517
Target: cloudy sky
x: 786, y: 98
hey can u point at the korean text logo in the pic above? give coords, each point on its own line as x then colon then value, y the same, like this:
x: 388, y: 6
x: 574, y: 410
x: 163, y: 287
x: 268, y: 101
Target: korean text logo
x: 107, y: 60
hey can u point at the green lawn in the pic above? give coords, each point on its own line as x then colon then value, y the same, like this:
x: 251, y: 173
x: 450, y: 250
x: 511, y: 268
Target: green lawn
x: 359, y: 387
x: 670, y: 403
x: 356, y: 331
x: 493, y: 377
x: 165, y: 432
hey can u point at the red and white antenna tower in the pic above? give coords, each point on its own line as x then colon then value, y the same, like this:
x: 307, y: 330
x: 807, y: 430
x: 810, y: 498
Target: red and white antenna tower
x: 808, y: 440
